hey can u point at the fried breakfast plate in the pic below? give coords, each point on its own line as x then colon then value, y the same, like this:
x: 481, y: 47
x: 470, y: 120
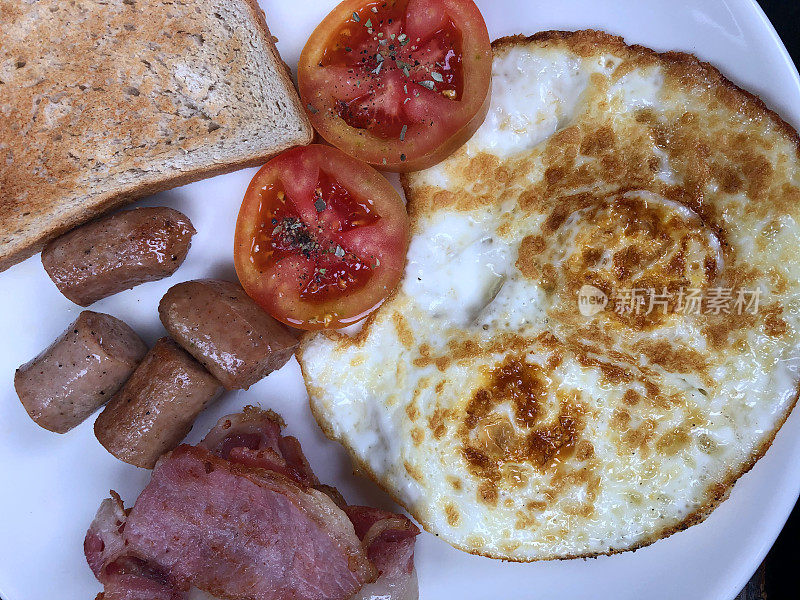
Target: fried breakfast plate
x: 51, y: 485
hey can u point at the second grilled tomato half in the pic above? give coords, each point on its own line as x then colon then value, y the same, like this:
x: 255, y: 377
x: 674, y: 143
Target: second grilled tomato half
x: 321, y: 238
x: 399, y: 84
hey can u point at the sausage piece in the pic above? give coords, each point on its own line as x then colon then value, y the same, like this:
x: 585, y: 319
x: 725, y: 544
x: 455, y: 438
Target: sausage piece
x: 155, y: 409
x: 224, y: 329
x: 118, y: 252
x: 79, y: 372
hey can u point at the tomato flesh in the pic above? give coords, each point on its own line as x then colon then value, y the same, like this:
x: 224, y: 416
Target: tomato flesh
x: 320, y: 239
x: 393, y: 68
x: 330, y: 269
x: 399, y: 84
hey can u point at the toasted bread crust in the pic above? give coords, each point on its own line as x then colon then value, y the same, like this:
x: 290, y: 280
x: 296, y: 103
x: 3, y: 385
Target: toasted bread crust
x: 58, y: 169
x: 12, y: 252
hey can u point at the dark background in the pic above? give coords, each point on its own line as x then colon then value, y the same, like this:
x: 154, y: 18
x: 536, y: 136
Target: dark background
x: 782, y: 572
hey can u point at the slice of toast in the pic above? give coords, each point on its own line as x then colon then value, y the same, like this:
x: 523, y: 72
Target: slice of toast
x: 106, y: 101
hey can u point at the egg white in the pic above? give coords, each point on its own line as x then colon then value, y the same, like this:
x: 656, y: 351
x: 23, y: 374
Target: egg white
x: 398, y: 394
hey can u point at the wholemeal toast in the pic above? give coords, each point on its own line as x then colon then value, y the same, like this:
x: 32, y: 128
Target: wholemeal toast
x: 103, y: 102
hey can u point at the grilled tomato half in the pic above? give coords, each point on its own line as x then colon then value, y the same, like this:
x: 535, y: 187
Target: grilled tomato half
x: 399, y: 84
x: 321, y: 238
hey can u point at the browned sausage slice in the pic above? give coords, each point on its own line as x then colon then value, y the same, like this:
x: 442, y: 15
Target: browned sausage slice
x: 79, y: 372
x: 221, y: 326
x: 155, y: 409
x: 118, y: 252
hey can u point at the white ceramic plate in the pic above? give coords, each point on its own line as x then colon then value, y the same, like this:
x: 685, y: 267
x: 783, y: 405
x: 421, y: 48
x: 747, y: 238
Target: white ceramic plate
x: 51, y: 485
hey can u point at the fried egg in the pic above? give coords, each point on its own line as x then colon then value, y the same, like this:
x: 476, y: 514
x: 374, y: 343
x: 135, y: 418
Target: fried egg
x: 597, y: 329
